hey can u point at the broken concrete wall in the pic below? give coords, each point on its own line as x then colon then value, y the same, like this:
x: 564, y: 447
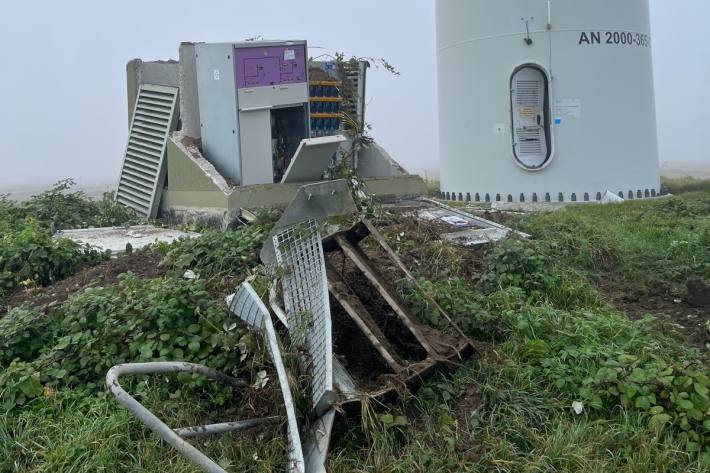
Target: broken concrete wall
x: 182, y: 74
x: 194, y: 192
x: 390, y: 189
x: 374, y: 161
x: 139, y: 72
x: 189, y: 100
x: 188, y: 170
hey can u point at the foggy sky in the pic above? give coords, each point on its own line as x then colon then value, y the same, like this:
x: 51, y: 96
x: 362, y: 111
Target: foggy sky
x: 63, y: 85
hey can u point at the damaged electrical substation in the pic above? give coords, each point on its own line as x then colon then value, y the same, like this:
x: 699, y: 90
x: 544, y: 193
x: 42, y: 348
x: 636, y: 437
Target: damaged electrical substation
x: 237, y: 126
x: 361, y: 343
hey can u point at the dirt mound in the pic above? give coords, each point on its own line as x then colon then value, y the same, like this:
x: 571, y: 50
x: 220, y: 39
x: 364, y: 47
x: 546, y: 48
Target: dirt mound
x: 674, y: 314
x: 143, y: 264
x: 698, y: 293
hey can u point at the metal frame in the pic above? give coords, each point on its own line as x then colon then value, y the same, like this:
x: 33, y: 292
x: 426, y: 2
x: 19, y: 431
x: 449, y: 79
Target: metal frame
x: 484, y: 223
x: 176, y: 437
x: 438, y: 357
x: 247, y: 305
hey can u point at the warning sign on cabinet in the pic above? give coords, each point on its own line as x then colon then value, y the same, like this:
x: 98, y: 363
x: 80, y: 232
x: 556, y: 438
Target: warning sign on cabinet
x: 527, y: 112
x: 568, y: 108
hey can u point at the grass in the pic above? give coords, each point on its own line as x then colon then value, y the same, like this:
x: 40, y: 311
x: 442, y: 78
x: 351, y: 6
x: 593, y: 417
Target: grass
x: 546, y: 336
x: 74, y: 432
x: 433, y: 188
x: 640, y: 240
x: 686, y: 185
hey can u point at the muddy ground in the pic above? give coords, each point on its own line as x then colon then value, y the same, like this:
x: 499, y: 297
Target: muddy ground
x: 673, y: 312
x: 142, y: 264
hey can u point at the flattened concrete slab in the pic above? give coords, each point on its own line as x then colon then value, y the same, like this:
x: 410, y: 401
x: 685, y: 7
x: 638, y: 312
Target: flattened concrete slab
x: 466, y: 229
x: 477, y: 237
x: 116, y: 238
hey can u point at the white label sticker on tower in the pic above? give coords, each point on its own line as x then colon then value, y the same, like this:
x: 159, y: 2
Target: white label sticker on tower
x: 289, y: 54
x: 216, y: 74
x: 568, y: 108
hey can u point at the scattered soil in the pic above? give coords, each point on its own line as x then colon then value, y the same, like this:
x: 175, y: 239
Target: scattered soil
x: 502, y: 218
x: 142, y: 264
x: 467, y: 447
x: 355, y: 352
x: 401, y: 339
x: 674, y: 313
x: 698, y: 293
x: 454, y: 260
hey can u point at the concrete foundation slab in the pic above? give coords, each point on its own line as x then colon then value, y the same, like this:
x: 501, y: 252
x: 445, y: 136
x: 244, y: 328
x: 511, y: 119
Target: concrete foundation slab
x: 116, y: 238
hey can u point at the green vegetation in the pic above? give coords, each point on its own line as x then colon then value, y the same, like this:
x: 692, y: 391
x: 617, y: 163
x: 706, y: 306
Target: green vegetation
x: 140, y: 320
x: 217, y: 254
x: 62, y: 209
x: 433, y: 188
x: 31, y: 256
x: 565, y: 382
x: 28, y: 253
x: 666, y: 239
x: 686, y: 185
x: 548, y: 325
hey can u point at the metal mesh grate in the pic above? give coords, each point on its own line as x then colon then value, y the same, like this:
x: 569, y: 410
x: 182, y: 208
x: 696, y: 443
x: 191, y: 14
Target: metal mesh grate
x: 300, y: 254
x: 143, y: 170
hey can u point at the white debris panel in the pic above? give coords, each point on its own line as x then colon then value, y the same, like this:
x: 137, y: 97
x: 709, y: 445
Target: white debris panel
x: 466, y: 229
x: 248, y: 306
x: 300, y: 255
x: 116, y: 238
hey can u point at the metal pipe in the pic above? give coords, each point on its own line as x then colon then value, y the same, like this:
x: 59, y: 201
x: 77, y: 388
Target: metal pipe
x: 167, y: 367
x: 212, y: 429
x: 148, y: 418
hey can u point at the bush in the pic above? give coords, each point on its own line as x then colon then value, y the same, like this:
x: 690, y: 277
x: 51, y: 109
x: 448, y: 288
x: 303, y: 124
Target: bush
x: 32, y: 256
x: 607, y: 361
x: 29, y: 255
x: 551, y: 321
x: 218, y: 254
x: 138, y: 321
x: 686, y: 185
x: 60, y: 209
x: 662, y: 239
x: 466, y: 307
x: 526, y: 265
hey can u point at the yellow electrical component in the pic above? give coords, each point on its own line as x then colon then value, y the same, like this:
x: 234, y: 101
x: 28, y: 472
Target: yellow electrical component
x: 332, y: 83
x: 326, y: 99
x: 325, y: 115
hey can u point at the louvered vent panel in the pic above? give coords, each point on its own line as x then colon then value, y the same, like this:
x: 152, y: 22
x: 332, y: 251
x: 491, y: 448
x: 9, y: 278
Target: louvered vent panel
x: 531, y: 142
x: 351, y: 101
x: 528, y: 93
x: 143, y: 170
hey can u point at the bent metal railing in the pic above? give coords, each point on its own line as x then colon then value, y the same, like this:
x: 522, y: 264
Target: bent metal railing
x: 247, y: 305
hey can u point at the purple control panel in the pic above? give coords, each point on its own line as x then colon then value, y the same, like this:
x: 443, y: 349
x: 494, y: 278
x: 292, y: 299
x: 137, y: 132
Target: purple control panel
x: 274, y: 65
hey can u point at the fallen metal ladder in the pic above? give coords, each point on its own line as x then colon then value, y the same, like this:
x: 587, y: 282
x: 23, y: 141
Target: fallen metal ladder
x: 439, y: 356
